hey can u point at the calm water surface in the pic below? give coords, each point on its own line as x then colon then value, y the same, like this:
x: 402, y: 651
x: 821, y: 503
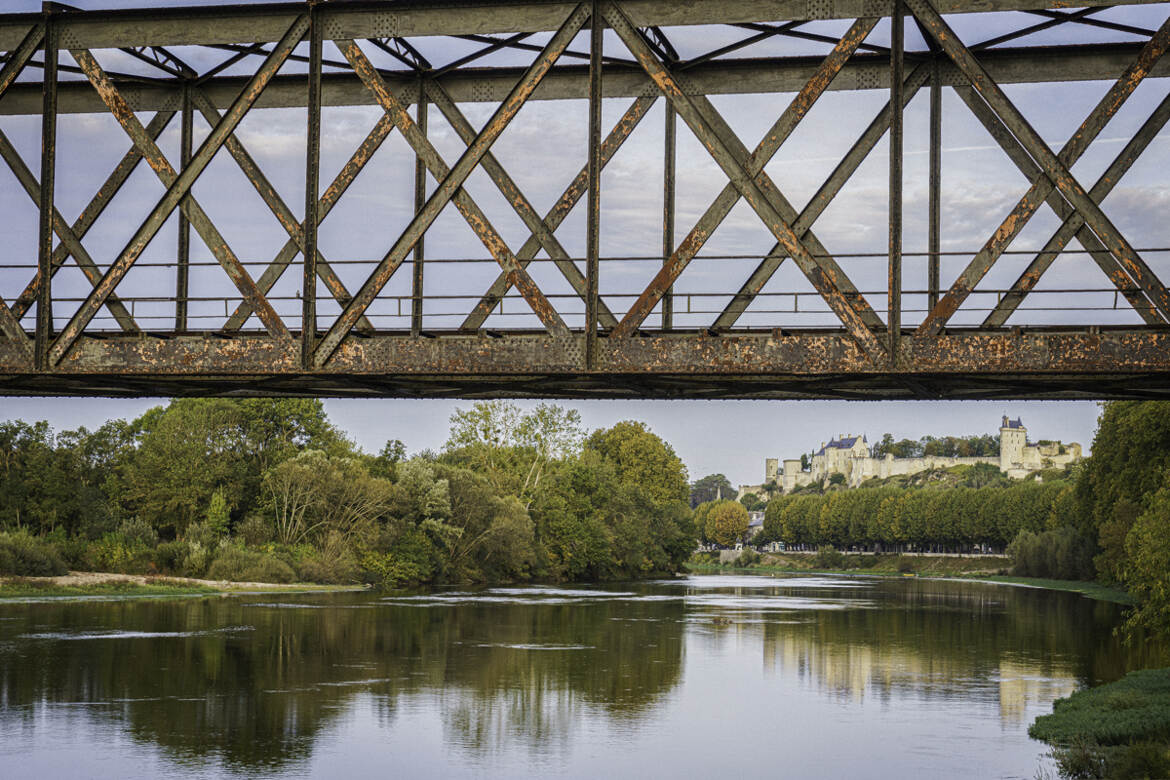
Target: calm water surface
x: 718, y: 675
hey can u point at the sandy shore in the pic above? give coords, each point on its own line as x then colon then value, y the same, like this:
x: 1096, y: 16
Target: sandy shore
x: 85, y: 578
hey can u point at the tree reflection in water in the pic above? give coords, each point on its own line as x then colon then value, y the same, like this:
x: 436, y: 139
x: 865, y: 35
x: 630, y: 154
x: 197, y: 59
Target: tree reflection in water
x: 256, y: 681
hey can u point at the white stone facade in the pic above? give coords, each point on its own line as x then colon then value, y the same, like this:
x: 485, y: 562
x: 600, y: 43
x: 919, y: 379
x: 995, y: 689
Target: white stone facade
x: 851, y: 457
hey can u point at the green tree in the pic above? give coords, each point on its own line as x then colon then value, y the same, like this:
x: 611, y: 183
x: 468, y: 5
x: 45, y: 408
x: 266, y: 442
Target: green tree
x: 727, y: 522
x: 712, y: 487
x: 641, y: 458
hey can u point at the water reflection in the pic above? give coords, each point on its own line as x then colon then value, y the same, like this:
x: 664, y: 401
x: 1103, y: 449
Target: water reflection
x: 518, y: 676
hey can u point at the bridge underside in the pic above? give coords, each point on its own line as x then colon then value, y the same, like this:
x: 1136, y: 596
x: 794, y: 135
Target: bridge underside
x: 805, y: 315
x: 1056, y: 365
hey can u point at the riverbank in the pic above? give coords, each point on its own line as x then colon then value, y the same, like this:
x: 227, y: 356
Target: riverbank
x: 1120, y: 730
x: 979, y: 568
x: 85, y: 583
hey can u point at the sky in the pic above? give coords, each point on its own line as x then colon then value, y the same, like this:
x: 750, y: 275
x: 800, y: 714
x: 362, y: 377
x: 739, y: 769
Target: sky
x: 543, y: 149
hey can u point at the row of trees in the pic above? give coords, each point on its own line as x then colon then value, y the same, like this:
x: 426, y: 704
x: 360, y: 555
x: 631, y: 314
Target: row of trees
x: 981, y: 446
x: 940, y: 519
x: 269, y: 489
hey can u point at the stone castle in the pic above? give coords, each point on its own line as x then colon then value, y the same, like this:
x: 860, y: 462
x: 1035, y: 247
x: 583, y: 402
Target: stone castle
x: 851, y: 457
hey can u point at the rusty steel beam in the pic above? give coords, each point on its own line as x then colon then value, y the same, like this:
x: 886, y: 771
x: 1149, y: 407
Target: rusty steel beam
x: 189, y: 26
x: 110, y: 187
x: 894, y: 268
x: 175, y: 194
x: 738, y: 76
x: 849, y: 164
x: 749, y: 179
x: 593, y: 203
x: 312, y: 190
x: 934, y: 189
x: 1056, y: 363
x: 1064, y: 212
x: 471, y: 212
x: 1055, y: 169
x: 420, y: 199
x: 544, y: 233
x: 669, y: 165
x: 1074, y: 226
x: 183, y: 250
x: 451, y: 183
x: 44, y: 322
x: 560, y: 210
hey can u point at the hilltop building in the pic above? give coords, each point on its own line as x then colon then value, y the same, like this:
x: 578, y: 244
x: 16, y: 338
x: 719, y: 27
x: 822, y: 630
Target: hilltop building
x: 851, y: 457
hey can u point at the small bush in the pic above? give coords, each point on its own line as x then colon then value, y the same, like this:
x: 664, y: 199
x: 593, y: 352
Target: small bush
x: 25, y: 555
x: 904, y: 565
x: 137, y: 533
x: 236, y: 564
x: 255, y: 530
x: 748, y: 557
x: 169, y: 556
x: 330, y: 570
x: 112, y: 553
x: 829, y: 557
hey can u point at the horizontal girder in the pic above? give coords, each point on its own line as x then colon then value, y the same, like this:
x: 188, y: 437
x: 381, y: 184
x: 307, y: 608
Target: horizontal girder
x: 571, y: 82
x: 405, y: 18
x: 1058, y: 364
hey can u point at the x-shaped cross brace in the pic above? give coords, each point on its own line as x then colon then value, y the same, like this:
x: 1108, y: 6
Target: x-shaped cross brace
x: 450, y: 186
x: 17, y: 59
x: 1072, y: 222
x: 1055, y: 168
x: 560, y: 210
x: 178, y: 189
x: 752, y: 183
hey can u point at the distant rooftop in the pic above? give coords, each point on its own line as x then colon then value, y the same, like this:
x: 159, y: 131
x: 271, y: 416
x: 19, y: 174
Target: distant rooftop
x: 1011, y: 423
x: 844, y: 443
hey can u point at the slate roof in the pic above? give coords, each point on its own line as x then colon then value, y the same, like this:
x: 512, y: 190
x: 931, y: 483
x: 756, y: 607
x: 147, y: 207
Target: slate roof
x: 841, y: 444
x: 1012, y: 423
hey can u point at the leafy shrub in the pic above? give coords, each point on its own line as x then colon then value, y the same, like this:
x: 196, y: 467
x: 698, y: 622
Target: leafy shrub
x: 329, y: 569
x: 112, y: 553
x: 828, y: 557
x: 1062, y: 554
x: 255, y: 530
x: 387, y: 570
x: 237, y: 564
x: 904, y: 565
x: 170, y: 556
x: 25, y: 555
x: 748, y: 557
x: 136, y: 532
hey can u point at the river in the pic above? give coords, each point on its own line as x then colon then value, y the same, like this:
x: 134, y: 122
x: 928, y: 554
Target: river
x: 738, y: 676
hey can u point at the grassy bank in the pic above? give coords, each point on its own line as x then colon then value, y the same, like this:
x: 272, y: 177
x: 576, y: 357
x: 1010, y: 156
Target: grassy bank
x: 1120, y: 730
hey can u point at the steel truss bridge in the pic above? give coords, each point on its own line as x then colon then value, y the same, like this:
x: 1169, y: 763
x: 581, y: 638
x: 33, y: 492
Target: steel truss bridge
x: 339, y: 328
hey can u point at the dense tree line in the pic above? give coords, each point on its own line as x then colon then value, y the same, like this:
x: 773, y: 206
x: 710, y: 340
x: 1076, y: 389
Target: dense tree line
x: 982, y: 446
x: 938, y: 519
x: 271, y: 490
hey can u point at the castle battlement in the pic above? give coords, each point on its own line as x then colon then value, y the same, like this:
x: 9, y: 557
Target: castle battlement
x: 851, y: 456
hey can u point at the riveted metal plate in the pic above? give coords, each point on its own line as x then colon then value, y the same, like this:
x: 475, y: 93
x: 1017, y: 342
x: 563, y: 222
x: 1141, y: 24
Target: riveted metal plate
x: 67, y: 38
x: 379, y: 25
x: 818, y: 9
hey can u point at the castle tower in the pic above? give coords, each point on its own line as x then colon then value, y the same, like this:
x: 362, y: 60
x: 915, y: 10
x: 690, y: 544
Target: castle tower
x: 771, y: 466
x: 1013, y: 437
